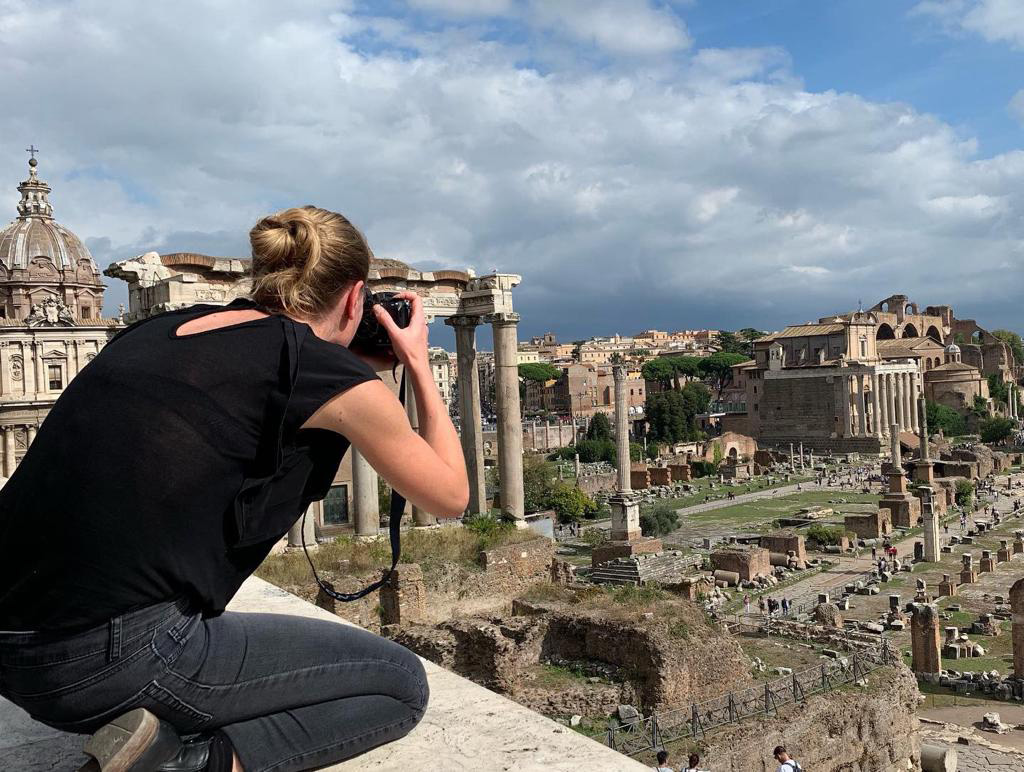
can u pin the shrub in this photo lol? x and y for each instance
(996, 429)
(825, 535)
(570, 503)
(659, 520)
(945, 418)
(600, 428)
(964, 493)
(702, 468)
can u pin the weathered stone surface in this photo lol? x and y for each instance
(870, 730)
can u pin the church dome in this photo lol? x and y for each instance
(952, 348)
(35, 234)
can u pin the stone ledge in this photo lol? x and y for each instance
(466, 727)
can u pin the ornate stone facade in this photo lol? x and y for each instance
(50, 323)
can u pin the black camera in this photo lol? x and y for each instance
(372, 335)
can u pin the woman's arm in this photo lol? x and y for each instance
(427, 468)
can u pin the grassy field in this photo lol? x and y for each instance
(703, 488)
(784, 506)
(429, 548)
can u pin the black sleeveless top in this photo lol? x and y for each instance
(168, 467)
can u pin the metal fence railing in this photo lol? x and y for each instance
(653, 732)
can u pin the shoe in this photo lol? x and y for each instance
(192, 757)
(135, 742)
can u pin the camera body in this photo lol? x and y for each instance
(372, 336)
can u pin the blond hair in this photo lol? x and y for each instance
(303, 258)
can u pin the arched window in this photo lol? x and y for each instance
(910, 331)
(884, 332)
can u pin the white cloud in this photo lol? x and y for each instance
(706, 188)
(1016, 106)
(622, 26)
(994, 20)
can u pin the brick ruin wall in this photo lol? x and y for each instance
(863, 730)
(595, 483)
(511, 568)
(783, 542)
(660, 669)
(747, 562)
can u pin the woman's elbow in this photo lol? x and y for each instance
(457, 500)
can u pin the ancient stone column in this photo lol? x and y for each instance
(932, 544)
(802, 467)
(622, 429)
(901, 402)
(876, 408)
(510, 422)
(883, 399)
(295, 533)
(890, 396)
(1017, 609)
(925, 640)
(421, 517)
(792, 457)
(469, 409)
(8, 451)
(847, 405)
(908, 398)
(987, 564)
(32, 429)
(862, 408)
(365, 501)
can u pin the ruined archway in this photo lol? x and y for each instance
(884, 332)
(910, 331)
(934, 334)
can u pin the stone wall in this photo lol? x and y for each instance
(660, 665)
(783, 542)
(861, 730)
(748, 562)
(871, 525)
(515, 566)
(594, 483)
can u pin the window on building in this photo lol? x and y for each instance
(55, 377)
(863, 346)
(336, 505)
(86, 312)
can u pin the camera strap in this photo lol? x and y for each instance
(395, 511)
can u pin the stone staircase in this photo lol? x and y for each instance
(657, 567)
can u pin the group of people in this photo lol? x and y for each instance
(767, 606)
(786, 762)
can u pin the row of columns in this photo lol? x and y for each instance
(548, 427)
(510, 429)
(9, 446)
(892, 396)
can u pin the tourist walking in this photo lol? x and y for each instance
(663, 762)
(761, 605)
(693, 764)
(185, 450)
(786, 764)
(746, 604)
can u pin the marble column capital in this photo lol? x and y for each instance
(463, 321)
(619, 373)
(502, 320)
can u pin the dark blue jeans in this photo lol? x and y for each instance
(291, 693)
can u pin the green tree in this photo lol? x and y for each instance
(1016, 344)
(718, 368)
(569, 503)
(945, 418)
(538, 483)
(600, 428)
(730, 343)
(996, 429)
(659, 370)
(997, 388)
(980, 406)
(696, 399)
(659, 520)
(748, 335)
(964, 493)
(540, 372)
(592, 451)
(667, 420)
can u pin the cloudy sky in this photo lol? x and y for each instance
(661, 163)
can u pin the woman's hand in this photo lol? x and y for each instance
(409, 343)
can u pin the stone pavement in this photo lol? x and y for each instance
(466, 727)
(979, 754)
